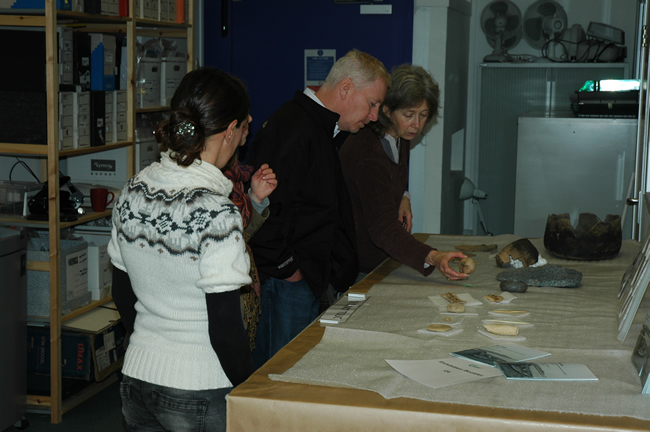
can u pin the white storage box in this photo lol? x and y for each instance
(73, 271)
(100, 269)
(148, 88)
(172, 71)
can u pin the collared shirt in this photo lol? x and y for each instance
(312, 95)
(394, 147)
(392, 151)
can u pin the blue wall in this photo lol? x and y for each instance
(267, 38)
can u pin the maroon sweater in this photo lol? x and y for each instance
(376, 185)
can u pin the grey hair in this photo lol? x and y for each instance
(363, 69)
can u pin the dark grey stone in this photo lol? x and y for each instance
(549, 275)
(514, 286)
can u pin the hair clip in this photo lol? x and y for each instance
(185, 128)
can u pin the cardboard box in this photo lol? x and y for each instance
(120, 120)
(148, 84)
(73, 281)
(139, 8)
(100, 269)
(146, 153)
(109, 117)
(124, 62)
(151, 9)
(163, 11)
(147, 149)
(102, 61)
(66, 120)
(92, 346)
(81, 119)
(172, 71)
(110, 7)
(65, 55)
(77, 5)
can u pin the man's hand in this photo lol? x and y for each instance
(263, 183)
(405, 216)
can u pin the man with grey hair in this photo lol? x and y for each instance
(307, 244)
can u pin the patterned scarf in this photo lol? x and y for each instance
(240, 174)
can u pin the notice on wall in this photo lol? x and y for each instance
(318, 63)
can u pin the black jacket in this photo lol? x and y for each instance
(310, 225)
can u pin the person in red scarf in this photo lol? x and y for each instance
(253, 205)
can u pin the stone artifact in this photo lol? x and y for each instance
(592, 239)
(439, 327)
(476, 248)
(514, 286)
(456, 307)
(522, 250)
(502, 329)
(494, 298)
(550, 275)
(452, 298)
(467, 265)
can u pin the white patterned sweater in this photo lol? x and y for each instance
(178, 236)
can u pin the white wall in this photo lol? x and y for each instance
(440, 45)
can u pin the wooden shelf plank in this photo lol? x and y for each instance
(152, 109)
(91, 18)
(38, 402)
(21, 221)
(27, 149)
(145, 22)
(38, 266)
(22, 20)
(173, 33)
(88, 150)
(35, 319)
(43, 403)
(42, 150)
(82, 310)
(100, 28)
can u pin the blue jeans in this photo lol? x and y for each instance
(150, 407)
(287, 309)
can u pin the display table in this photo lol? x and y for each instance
(571, 324)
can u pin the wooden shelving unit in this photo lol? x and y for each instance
(132, 27)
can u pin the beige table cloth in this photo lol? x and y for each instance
(342, 380)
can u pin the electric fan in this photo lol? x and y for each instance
(544, 24)
(501, 23)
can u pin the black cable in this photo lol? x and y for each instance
(598, 54)
(585, 56)
(545, 52)
(26, 167)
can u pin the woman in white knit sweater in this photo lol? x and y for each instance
(179, 258)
